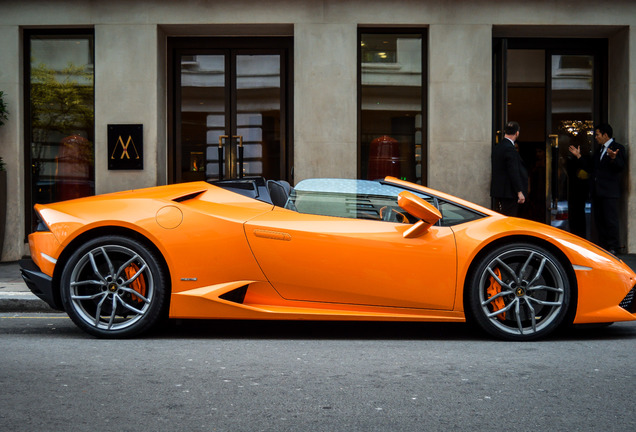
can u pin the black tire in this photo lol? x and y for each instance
(519, 292)
(114, 287)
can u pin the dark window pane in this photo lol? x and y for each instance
(258, 107)
(202, 115)
(572, 125)
(62, 117)
(391, 106)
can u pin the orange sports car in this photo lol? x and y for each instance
(327, 249)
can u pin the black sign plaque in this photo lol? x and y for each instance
(126, 147)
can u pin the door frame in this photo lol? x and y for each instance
(177, 46)
(596, 47)
(30, 217)
(423, 33)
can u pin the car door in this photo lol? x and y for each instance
(317, 258)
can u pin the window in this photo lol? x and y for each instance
(363, 199)
(453, 214)
(59, 132)
(357, 199)
(392, 104)
(230, 115)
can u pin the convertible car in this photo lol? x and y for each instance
(327, 249)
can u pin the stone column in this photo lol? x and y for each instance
(325, 95)
(12, 142)
(126, 92)
(460, 110)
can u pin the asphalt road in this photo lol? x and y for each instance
(303, 376)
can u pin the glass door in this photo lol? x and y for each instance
(554, 89)
(203, 115)
(570, 123)
(255, 147)
(230, 109)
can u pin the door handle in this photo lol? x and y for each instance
(221, 161)
(240, 154)
(222, 137)
(272, 235)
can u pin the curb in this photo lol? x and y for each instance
(16, 297)
(23, 303)
(14, 294)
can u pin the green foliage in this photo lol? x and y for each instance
(61, 101)
(3, 117)
(61, 105)
(3, 110)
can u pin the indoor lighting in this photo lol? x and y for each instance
(575, 127)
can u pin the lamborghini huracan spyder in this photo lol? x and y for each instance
(327, 249)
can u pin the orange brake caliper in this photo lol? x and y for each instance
(493, 289)
(138, 284)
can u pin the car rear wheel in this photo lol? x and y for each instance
(114, 287)
(519, 292)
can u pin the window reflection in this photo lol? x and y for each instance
(213, 114)
(572, 113)
(202, 114)
(61, 117)
(258, 108)
(391, 106)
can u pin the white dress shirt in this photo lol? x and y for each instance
(606, 146)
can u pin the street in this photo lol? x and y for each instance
(306, 376)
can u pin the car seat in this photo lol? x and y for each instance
(278, 192)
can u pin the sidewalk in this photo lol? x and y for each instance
(14, 294)
(16, 297)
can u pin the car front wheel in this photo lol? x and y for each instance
(519, 292)
(114, 287)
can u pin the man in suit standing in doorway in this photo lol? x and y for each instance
(606, 167)
(509, 182)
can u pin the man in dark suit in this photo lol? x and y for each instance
(605, 167)
(509, 182)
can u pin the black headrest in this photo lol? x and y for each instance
(278, 192)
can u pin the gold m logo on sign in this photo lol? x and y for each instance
(124, 147)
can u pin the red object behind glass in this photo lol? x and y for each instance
(384, 158)
(73, 170)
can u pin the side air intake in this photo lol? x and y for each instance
(236, 295)
(188, 197)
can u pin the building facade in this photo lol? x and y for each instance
(109, 96)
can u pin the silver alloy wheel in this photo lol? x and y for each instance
(111, 287)
(522, 291)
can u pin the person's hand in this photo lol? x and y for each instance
(576, 151)
(520, 198)
(612, 154)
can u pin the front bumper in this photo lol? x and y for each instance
(39, 283)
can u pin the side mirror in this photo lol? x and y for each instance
(422, 210)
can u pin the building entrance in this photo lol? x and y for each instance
(230, 108)
(555, 90)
